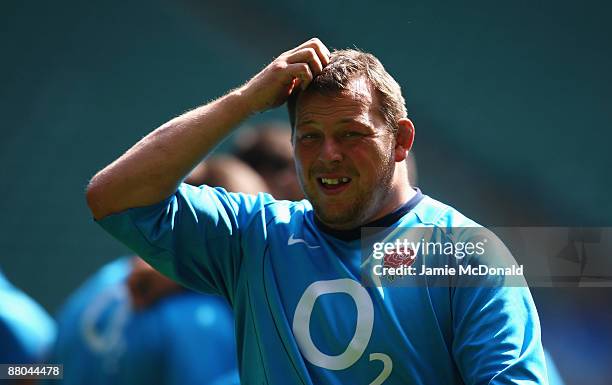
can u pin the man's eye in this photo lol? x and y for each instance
(309, 136)
(352, 134)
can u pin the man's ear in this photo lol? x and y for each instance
(403, 139)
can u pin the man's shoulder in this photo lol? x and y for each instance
(288, 213)
(268, 211)
(271, 207)
(431, 212)
(261, 205)
(112, 273)
(262, 201)
(108, 279)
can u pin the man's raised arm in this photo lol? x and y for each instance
(153, 168)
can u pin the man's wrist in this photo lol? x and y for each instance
(242, 102)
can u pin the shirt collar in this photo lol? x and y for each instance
(386, 221)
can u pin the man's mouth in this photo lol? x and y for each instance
(334, 185)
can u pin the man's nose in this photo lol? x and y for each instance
(331, 151)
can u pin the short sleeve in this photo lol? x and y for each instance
(193, 236)
(497, 337)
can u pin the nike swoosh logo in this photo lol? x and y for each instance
(293, 241)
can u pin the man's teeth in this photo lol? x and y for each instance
(334, 180)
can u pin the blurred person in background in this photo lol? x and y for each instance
(267, 149)
(128, 324)
(27, 332)
(228, 172)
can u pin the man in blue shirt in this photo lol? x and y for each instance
(26, 329)
(291, 270)
(183, 338)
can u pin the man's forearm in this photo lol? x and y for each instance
(152, 169)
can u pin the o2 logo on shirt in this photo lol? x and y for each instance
(107, 340)
(363, 331)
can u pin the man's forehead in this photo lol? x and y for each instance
(360, 88)
(351, 104)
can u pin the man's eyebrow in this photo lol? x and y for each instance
(349, 120)
(359, 121)
(307, 122)
(346, 120)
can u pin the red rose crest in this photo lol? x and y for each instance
(397, 259)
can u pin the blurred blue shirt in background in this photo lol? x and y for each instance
(26, 330)
(185, 338)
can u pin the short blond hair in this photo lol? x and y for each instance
(348, 64)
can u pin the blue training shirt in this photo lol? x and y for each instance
(185, 338)
(303, 316)
(26, 329)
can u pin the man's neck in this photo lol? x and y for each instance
(399, 195)
(385, 220)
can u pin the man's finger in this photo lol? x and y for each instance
(302, 72)
(307, 55)
(320, 48)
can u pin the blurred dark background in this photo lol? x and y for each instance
(512, 103)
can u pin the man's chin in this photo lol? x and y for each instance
(337, 212)
(339, 220)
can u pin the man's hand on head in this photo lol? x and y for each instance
(294, 68)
